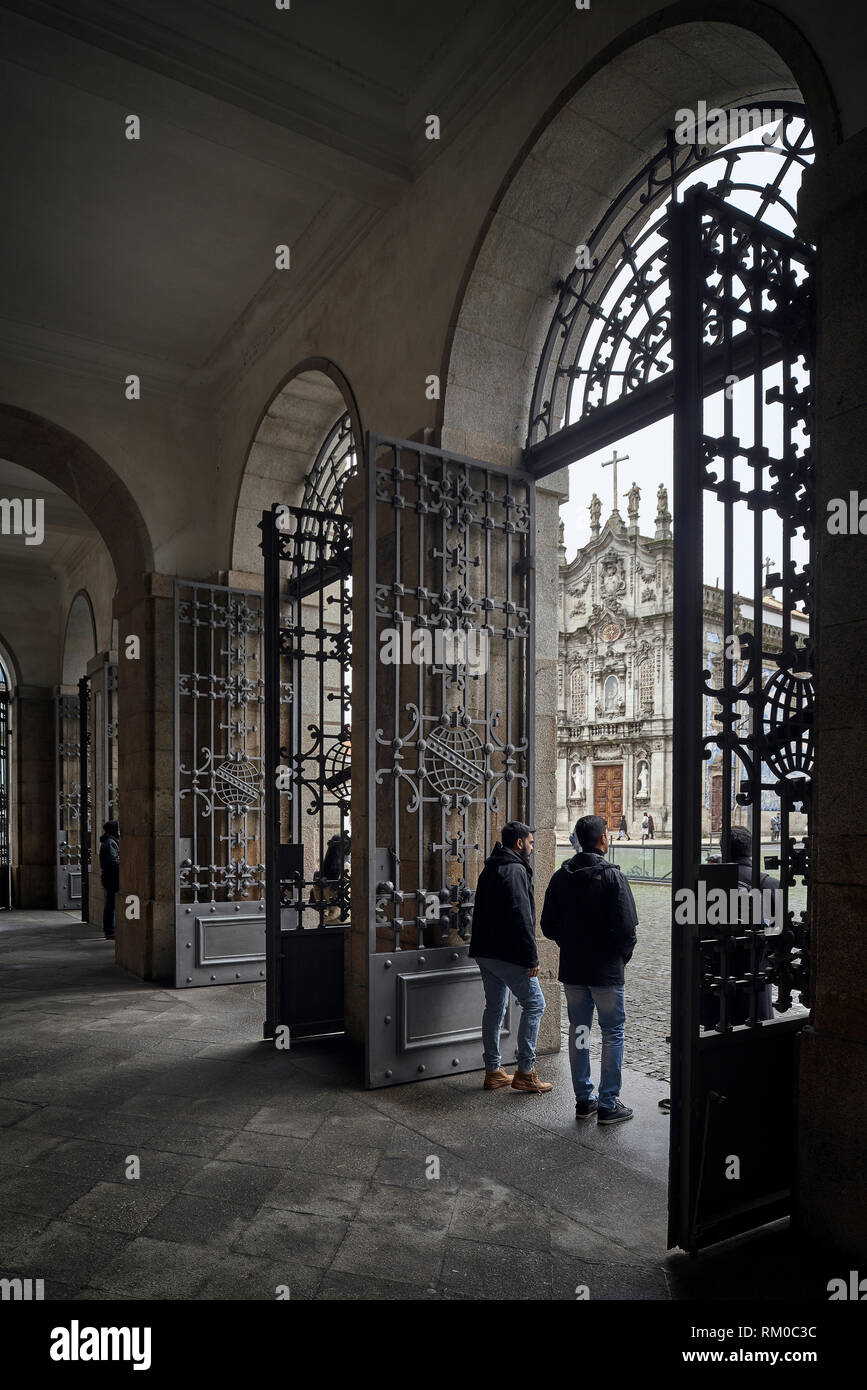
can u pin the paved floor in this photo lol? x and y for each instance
(259, 1169)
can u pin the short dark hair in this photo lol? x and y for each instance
(589, 831)
(740, 843)
(513, 831)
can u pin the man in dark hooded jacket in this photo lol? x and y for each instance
(503, 946)
(109, 873)
(590, 912)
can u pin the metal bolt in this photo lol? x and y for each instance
(455, 1061)
(189, 909)
(189, 945)
(213, 977)
(388, 1073)
(388, 965)
(421, 960)
(455, 955)
(189, 979)
(421, 1067)
(388, 1018)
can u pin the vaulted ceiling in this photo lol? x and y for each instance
(259, 127)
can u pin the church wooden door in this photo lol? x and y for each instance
(608, 794)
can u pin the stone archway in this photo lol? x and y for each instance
(69, 463)
(285, 442)
(79, 642)
(597, 135)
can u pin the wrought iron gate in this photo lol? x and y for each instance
(5, 794)
(742, 313)
(219, 702)
(308, 652)
(67, 734)
(450, 726)
(98, 772)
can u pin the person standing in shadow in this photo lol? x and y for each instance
(109, 873)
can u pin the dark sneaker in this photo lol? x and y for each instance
(586, 1109)
(613, 1116)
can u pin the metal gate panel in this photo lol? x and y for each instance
(219, 797)
(5, 794)
(67, 801)
(98, 773)
(449, 544)
(308, 596)
(744, 475)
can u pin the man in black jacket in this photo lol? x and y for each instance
(109, 873)
(590, 912)
(503, 946)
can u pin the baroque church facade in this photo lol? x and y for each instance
(615, 677)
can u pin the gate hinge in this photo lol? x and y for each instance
(526, 565)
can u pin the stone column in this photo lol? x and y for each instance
(832, 1117)
(34, 798)
(145, 945)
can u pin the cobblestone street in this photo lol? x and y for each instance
(648, 984)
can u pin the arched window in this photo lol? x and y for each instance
(611, 694)
(645, 684)
(334, 464)
(610, 334)
(577, 694)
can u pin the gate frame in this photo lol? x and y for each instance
(449, 957)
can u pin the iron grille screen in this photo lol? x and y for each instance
(218, 743)
(451, 651)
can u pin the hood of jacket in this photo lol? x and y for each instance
(111, 831)
(500, 855)
(584, 864)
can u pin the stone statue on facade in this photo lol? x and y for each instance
(595, 510)
(663, 515)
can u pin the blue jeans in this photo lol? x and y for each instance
(609, 1002)
(498, 977)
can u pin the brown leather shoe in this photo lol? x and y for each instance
(528, 1081)
(495, 1079)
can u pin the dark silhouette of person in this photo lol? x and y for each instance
(740, 850)
(109, 873)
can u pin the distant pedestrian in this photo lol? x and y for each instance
(109, 873)
(503, 946)
(740, 958)
(624, 829)
(645, 825)
(650, 827)
(590, 912)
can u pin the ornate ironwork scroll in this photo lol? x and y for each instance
(219, 797)
(744, 483)
(68, 798)
(611, 335)
(758, 484)
(334, 464)
(450, 734)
